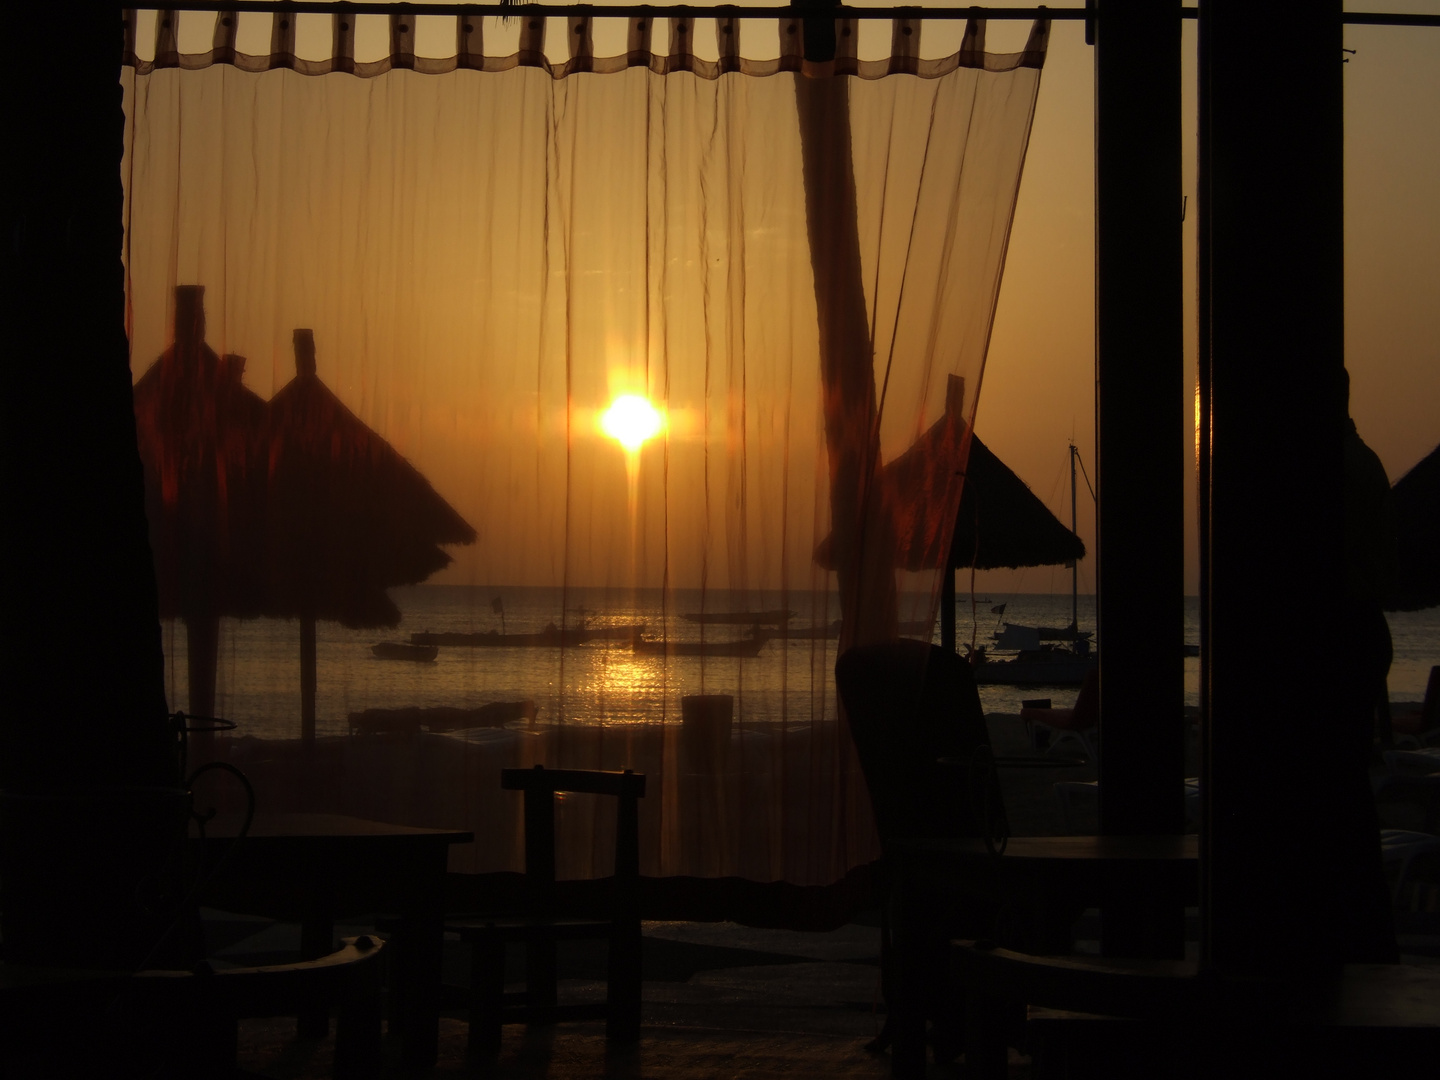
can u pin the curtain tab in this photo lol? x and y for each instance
(847, 44)
(1037, 45)
(167, 31)
(972, 48)
(469, 42)
(682, 44)
(581, 44)
(905, 47)
(532, 42)
(792, 44)
(402, 40)
(127, 28)
(282, 39)
(727, 38)
(342, 37)
(637, 42)
(222, 42)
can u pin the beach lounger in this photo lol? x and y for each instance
(1079, 725)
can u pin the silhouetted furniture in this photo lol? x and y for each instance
(706, 721)
(314, 868)
(183, 1023)
(1080, 799)
(1420, 728)
(1410, 802)
(1039, 884)
(909, 705)
(1364, 1019)
(1072, 725)
(540, 926)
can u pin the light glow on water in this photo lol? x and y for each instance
(604, 682)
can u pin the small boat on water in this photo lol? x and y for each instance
(798, 633)
(1048, 666)
(745, 647)
(399, 650)
(550, 637)
(623, 632)
(773, 617)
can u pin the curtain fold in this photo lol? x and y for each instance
(563, 370)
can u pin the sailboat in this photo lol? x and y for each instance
(1044, 655)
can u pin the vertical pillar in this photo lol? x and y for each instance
(83, 673)
(1140, 396)
(85, 745)
(1272, 246)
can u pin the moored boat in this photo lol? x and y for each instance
(552, 636)
(773, 617)
(1034, 667)
(745, 647)
(798, 633)
(399, 650)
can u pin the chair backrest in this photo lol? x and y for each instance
(1430, 711)
(540, 785)
(1087, 702)
(910, 704)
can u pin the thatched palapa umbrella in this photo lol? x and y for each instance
(1000, 521)
(347, 517)
(199, 432)
(1415, 504)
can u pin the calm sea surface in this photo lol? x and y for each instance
(788, 682)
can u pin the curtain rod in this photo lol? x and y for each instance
(634, 11)
(664, 11)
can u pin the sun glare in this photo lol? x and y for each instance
(631, 420)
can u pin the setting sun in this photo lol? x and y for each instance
(630, 420)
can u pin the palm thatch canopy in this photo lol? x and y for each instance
(347, 516)
(1415, 503)
(199, 428)
(1000, 521)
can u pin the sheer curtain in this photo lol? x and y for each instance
(563, 368)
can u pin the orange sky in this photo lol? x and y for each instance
(1038, 387)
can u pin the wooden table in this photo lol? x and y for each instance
(1041, 884)
(313, 868)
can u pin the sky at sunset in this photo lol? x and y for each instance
(1039, 382)
(1038, 386)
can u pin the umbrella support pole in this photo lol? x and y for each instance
(947, 609)
(202, 658)
(307, 681)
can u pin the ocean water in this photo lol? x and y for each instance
(788, 683)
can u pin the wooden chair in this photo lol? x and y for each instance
(540, 926)
(919, 729)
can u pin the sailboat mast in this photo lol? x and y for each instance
(1074, 563)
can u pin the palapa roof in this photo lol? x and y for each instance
(999, 522)
(347, 515)
(198, 429)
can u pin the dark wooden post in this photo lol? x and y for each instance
(1140, 393)
(83, 674)
(1280, 875)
